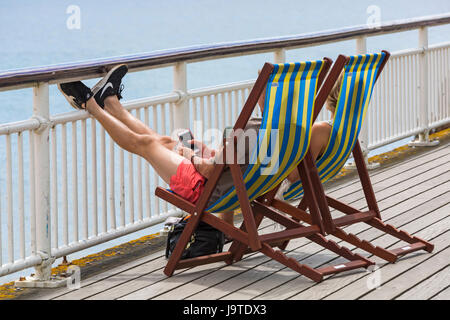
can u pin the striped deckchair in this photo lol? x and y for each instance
(360, 75)
(282, 143)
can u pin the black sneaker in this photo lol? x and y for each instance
(110, 85)
(76, 93)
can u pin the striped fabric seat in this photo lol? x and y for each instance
(351, 108)
(285, 131)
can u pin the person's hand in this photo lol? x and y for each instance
(205, 152)
(185, 152)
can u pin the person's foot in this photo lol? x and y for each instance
(285, 185)
(110, 85)
(76, 93)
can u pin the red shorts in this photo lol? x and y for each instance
(187, 182)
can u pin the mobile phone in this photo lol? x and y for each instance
(186, 136)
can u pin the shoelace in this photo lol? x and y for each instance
(119, 92)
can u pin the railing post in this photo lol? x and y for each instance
(181, 108)
(42, 179)
(424, 139)
(279, 56)
(41, 112)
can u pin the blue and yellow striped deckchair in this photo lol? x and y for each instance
(358, 81)
(281, 145)
(356, 89)
(284, 133)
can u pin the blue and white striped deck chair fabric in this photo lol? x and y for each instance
(285, 131)
(351, 108)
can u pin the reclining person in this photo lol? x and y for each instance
(185, 172)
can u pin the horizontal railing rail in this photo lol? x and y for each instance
(68, 186)
(95, 68)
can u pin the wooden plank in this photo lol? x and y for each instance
(409, 248)
(429, 287)
(186, 289)
(177, 290)
(392, 171)
(52, 294)
(398, 183)
(402, 191)
(389, 197)
(414, 214)
(392, 197)
(119, 272)
(327, 270)
(262, 270)
(151, 280)
(109, 289)
(103, 282)
(383, 172)
(355, 191)
(197, 261)
(176, 281)
(351, 286)
(226, 273)
(411, 277)
(416, 224)
(334, 283)
(419, 209)
(143, 280)
(284, 292)
(443, 295)
(403, 211)
(151, 271)
(138, 288)
(289, 234)
(359, 287)
(354, 218)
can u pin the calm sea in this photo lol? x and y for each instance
(35, 33)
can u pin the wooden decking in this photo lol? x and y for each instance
(413, 195)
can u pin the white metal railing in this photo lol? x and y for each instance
(68, 187)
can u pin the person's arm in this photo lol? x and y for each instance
(205, 152)
(204, 166)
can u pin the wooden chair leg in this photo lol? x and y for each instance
(342, 251)
(181, 244)
(237, 248)
(249, 219)
(365, 179)
(309, 195)
(302, 206)
(392, 255)
(291, 263)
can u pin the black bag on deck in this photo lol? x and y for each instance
(205, 240)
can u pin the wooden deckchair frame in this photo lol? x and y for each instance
(253, 212)
(353, 215)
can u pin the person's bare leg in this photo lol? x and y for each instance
(319, 139)
(164, 161)
(115, 108)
